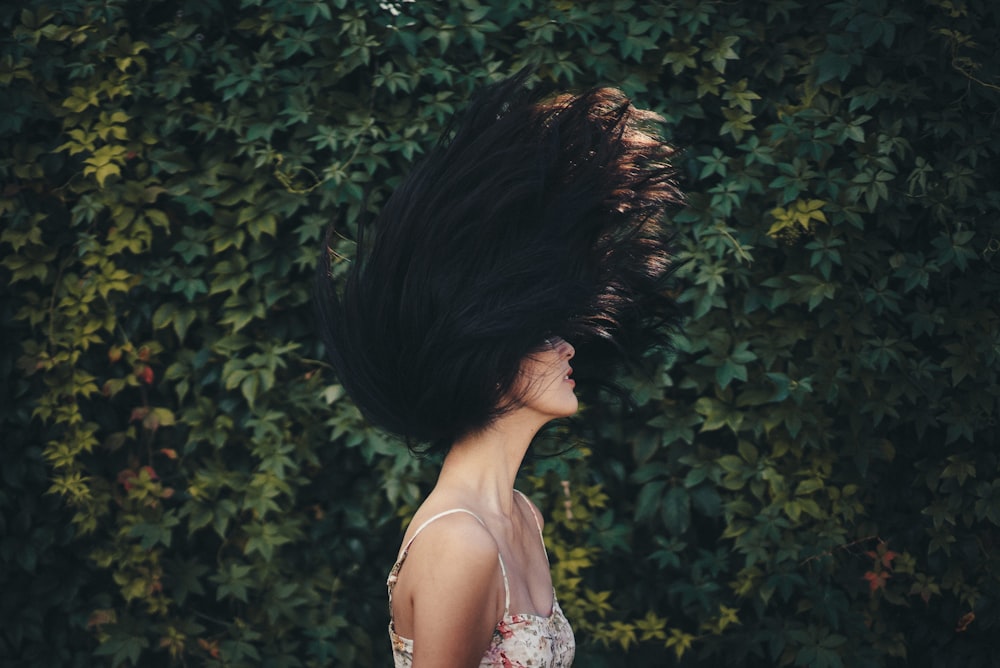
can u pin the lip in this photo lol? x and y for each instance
(567, 378)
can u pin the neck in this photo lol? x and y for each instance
(484, 465)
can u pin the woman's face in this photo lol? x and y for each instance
(546, 382)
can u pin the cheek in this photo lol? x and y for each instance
(537, 371)
(542, 378)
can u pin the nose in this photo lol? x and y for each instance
(562, 346)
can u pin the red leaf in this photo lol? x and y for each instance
(876, 580)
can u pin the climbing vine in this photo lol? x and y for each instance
(808, 478)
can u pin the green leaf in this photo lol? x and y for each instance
(233, 583)
(707, 501)
(648, 501)
(677, 511)
(122, 648)
(155, 533)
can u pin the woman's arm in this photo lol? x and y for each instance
(455, 593)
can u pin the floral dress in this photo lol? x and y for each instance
(519, 641)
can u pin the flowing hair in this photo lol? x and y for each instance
(535, 215)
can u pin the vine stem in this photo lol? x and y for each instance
(845, 546)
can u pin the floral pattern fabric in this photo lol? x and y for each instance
(519, 641)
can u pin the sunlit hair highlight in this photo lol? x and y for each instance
(534, 215)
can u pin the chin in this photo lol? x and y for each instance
(570, 410)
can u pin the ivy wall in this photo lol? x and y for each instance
(811, 479)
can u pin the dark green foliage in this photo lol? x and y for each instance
(811, 479)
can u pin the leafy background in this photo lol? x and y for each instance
(809, 480)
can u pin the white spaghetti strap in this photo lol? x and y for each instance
(538, 525)
(436, 517)
(394, 574)
(506, 587)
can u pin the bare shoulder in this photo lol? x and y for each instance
(454, 555)
(448, 548)
(456, 532)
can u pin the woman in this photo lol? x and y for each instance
(536, 222)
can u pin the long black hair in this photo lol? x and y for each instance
(536, 214)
